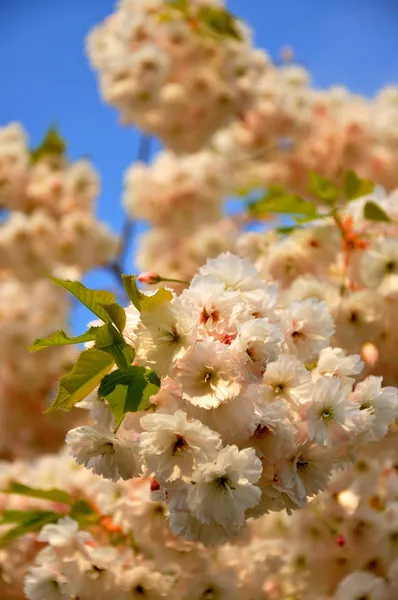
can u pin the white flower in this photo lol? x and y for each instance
(132, 321)
(163, 336)
(304, 474)
(142, 582)
(42, 583)
(274, 435)
(335, 362)
(233, 420)
(308, 328)
(380, 262)
(217, 309)
(260, 342)
(237, 274)
(380, 405)
(331, 414)
(207, 374)
(288, 380)
(224, 490)
(64, 534)
(171, 444)
(103, 452)
(361, 585)
(192, 529)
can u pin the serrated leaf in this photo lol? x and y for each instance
(28, 522)
(92, 299)
(60, 338)
(82, 512)
(276, 200)
(143, 302)
(219, 21)
(52, 144)
(121, 352)
(323, 188)
(354, 187)
(129, 390)
(117, 315)
(105, 336)
(53, 494)
(374, 212)
(92, 365)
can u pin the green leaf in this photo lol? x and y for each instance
(117, 315)
(181, 5)
(143, 302)
(374, 212)
(355, 187)
(93, 299)
(121, 352)
(82, 512)
(52, 145)
(323, 188)
(60, 338)
(106, 335)
(219, 21)
(28, 522)
(128, 390)
(53, 494)
(276, 200)
(287, 230)
(109, 340)
(92, 365)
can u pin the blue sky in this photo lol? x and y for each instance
(46, 76)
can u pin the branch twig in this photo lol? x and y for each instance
(116, 267)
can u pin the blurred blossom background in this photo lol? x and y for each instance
(47, 78)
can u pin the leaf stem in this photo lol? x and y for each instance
(166, 279)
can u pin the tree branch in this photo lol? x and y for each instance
(117, 266)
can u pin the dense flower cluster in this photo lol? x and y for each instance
(254, 409)
(51, 222)
(183, 200)
(129, 553)
(293, 129)
(168, 72)
(48, 227)
(28, 311)
(352, 265)
(269, 365)
(245, 121)
(343, 546)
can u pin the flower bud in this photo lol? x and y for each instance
(340, 540)
(149, 277)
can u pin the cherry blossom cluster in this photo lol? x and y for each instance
(49, 227)
(166, 75)
(343, 546)
(293, 129)
(45, 472)
(352, 265)
(129, 553)
(254, 411)
(179, 255)
(182, 198)
(170, 74)
(51, 222)
(26, 380)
